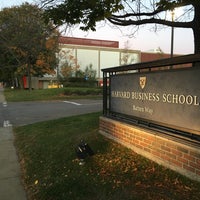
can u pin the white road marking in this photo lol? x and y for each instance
(71, 102)
(6, 123)
(5, 104)
(91, 104)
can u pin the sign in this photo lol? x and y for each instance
(169, 98)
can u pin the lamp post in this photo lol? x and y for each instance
(172, 34)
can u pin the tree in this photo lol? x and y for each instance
(90, 73)
(7, 65)
(125, 13)
(66, 70)
(68, 62)
(27, 42)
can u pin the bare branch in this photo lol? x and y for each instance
(121, 22)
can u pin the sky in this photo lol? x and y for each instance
(144, 40)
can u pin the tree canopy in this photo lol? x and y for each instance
(124, 13)
(27, 44)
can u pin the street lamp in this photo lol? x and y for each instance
(172, 34)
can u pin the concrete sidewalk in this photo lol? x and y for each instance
(10, 184)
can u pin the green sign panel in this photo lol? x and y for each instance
(169, 98)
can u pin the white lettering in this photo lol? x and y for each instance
(137, 108)
(189, 100)
(155, 97)
(175, 98)
(145, 96)
(196, 102)
(148, 110)
(121, 94)
(180, 99)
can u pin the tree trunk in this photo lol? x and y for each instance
(29, 77)
(196, 28)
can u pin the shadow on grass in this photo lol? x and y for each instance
(51, 170)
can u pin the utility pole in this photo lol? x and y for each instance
(172, 35)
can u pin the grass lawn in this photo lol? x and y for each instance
(51, 170)
(52, 94)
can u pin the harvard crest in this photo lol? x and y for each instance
(143, 81)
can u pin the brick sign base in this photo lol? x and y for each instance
(182, 158)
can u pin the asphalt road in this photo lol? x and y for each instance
(22, 113)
